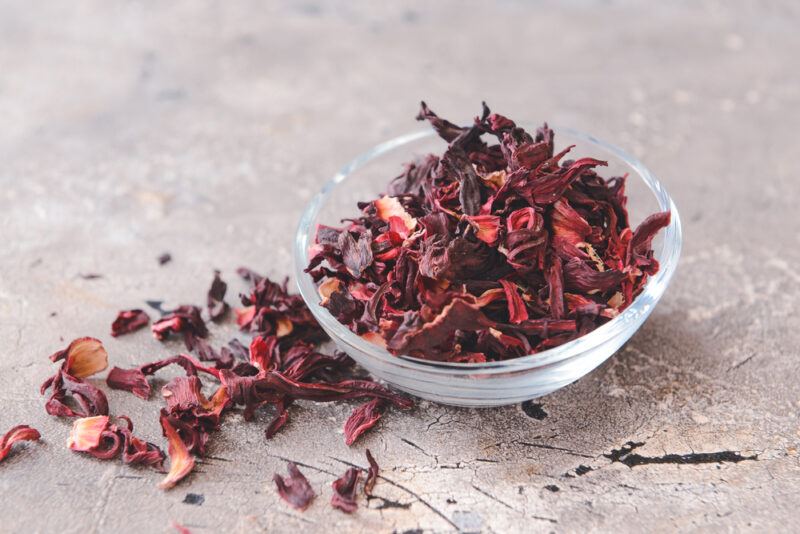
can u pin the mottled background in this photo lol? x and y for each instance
(202, 128)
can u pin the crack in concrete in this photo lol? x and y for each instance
(624, 455)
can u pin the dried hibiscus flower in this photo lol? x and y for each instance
(15, 435)
(489, 251)
(344, 491)
(295, 488)
(128, 321)
(83, 357)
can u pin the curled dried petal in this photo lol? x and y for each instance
(128, 321)
(372, 474)
(132, 380)
(83, 357)
(217, 307)
(295, 488)
(517, 311)
(362, 419)
(87, 432)
(388, 207)
(181, 462)
(15, 435)
(344, 491)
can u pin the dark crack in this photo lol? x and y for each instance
(553, 448)
(624, 455)
(389, 503)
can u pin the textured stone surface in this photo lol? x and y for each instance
(202, 128)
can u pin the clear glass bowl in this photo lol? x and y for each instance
(493, 383)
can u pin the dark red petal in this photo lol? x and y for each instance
(128, 321)
(362, 419)
(344, 491)
(217, 307)
(295, 488)
(132, 380)
(517, 311)
(15, 435)
(372, 474)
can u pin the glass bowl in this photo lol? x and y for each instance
(492, 383)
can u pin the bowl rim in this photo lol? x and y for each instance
(642, 304)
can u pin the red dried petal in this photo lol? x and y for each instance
(372, 474)
(295, 488)
(568, 224)
(344, 491)
(486, 227)
(362, 419)
(262, 349)
(87, 432)
(517, 311)
(83, 357)
(185, 318)
(132, 380)
(388, 207)
(128, 321)
(217, 307)
(15, 435)
(181, 462)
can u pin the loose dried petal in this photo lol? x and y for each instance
(83, 357)
(87, 432)
(344, 491)
(372, 474)
(128, 321)
(183, 319)
(181, 462)
(15, 435)
(217, 307)
(295, 488)
(362, 419)
(132, 380)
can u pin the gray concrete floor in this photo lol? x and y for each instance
(202, 128)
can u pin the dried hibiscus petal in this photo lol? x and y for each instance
(217, 307)
(362, 419)
(185, 318)
(344, 491)
(70, 395)
(15, 435)
(99, 438)
(181, 462)
(372, 474)
(295, 488)
(135, 380)
(87, 432)
(83, 357)
(128, 321)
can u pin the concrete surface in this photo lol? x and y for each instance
(201, 128)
